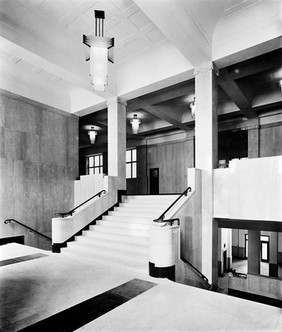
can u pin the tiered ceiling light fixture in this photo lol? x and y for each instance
(92, 131)
(99, 51)
(92, 135)
(135, 122)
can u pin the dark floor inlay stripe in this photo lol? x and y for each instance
(21, 259)
(85, 312)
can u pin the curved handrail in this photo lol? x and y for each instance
(65, 214)
(167, 221)
(8, 221)
(161, 217)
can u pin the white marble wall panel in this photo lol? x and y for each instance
(250, 188)
(87, 186)
(38, 163)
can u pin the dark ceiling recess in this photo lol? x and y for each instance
(232, 144)
(167, 109)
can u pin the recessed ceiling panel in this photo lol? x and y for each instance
(82, 25)
(122, 30)
(55, 9)
(122, 4)
(156, 36)
(139, 19)
(138, 45)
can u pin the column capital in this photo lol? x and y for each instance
(209, 65)
(117, 100)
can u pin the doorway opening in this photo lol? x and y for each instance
(154, 181)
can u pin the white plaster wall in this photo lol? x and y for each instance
(249, 189)
(256, 24)
(154, 69)
(64, 228)
(88, 186)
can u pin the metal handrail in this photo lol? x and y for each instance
(167, 221)
(65, 214)
(8, 221)
(161, 217)
(194, 268)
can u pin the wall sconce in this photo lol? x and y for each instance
(99, 51)
(92, 135)
(135, 122)
(193, 108)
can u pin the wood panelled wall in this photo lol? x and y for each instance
(270, 140)
(38, 163)
(172, 159)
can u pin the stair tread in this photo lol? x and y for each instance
(122, 236)
(131, 238)
(98, 242)
(114, 252)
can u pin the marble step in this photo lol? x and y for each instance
(127, 225)
(136, 210)
(129, 219)
(121, 231)
(95, 233)
(152, 198)
(105, 254)
(138, 214)
(136, 266)
(131, 248)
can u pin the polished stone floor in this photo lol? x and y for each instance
(241, 266)
(35, 289)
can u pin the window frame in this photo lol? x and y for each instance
(96, 166)
(132, 163)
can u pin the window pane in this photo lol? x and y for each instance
(91, 171)
(128, 156)
(91, 159)
(264, 251)
(101, 159)
(134, 171)
(264, 238)
(128, 171)
(134, 155)
(96, 162)
(101, 169)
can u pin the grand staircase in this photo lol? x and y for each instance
(122, 237)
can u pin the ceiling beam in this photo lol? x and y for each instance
(177, 23)
(234, 92)
(162, 114)
(185, 89)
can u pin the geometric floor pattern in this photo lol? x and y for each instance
(37, 291)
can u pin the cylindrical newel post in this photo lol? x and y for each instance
(164, 251)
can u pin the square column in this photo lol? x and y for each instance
(273, 254)
(117, 140)
(205, 159)
(253, 139)
(254, 252)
